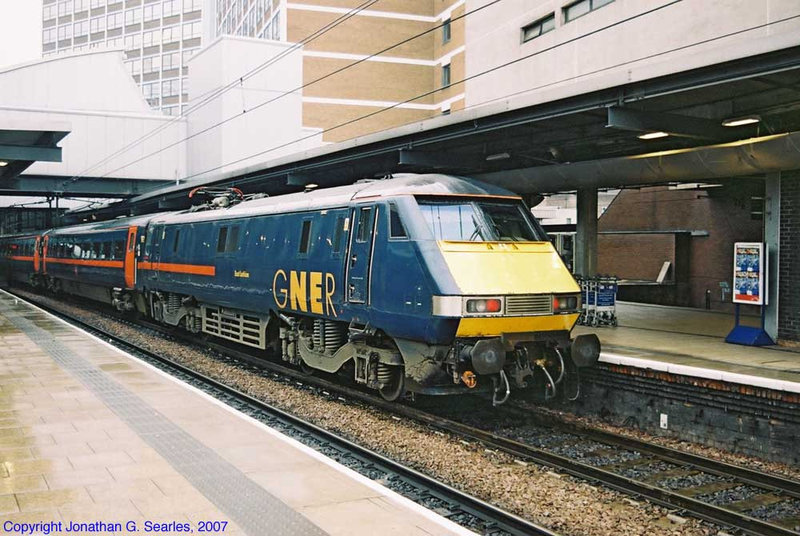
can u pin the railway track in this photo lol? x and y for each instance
(734, 497)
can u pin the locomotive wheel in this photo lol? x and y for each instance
(306, 369)
(395, 387)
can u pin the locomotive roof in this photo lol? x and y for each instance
(428, 184)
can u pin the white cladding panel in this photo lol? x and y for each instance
(582, 55)
(103, 113)
(250, 131)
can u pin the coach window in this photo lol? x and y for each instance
(119, 250)
(96, 247)
(305, 237)
(106, 254)
(175, 242)
(396, 227)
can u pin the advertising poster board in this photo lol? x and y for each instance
(748, 273)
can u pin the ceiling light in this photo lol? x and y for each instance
(497, 156)
(739, 121)
(653, 135)
(3, 163)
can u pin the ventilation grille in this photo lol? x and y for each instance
(531, 304)
(235, 326)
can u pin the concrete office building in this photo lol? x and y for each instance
(158, 37)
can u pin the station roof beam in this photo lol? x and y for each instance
(649, 122)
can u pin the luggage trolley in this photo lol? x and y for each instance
(606, 301)
(588, 301)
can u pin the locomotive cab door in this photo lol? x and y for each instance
(359, 254)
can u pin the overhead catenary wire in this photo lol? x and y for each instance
(304, 86)
(214, 93)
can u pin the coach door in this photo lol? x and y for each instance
(37, 248)
(359, 258)
(130, 258)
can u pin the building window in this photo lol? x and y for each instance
(65, 32)
(134, 67)
(152, 12)
(191, 30)
(98, 3)
(445, 75)
(187, 54)
(65, 8)
(541, 26)
(192, 5)
(446, 31)
(114, 21)
(151, 64)
(81, 5)
(171, 34)
(170, 88)
(132, 16)
(133, 42)
(49, 35)
(151, 38)
(49, 12)
(81, 28)
(582, 7)
(185, 85)
(170, 61)
(97, 24)
(171, 7)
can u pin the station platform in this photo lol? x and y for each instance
(691, 342)
(89, 435)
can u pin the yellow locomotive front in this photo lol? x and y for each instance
(516, 302)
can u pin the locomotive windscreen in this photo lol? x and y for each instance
(480, 221)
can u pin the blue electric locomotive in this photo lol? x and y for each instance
(427, 283)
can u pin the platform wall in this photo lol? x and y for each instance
(789, 265)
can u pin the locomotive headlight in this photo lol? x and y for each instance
(483, 306)
(565, 303)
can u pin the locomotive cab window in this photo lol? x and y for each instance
(305, 237)
(480, 221)
(396, 227)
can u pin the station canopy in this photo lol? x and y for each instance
(735, 119)
(20, 148)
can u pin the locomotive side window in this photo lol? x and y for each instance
(228, 239)
(305, 237)
(233, 239)
(396, 227)
(222, 239)
(338, 232)
(362, 231)
(175, 242)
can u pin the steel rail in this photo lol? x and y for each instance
(494, 521)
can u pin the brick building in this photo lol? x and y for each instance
(692, 229)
